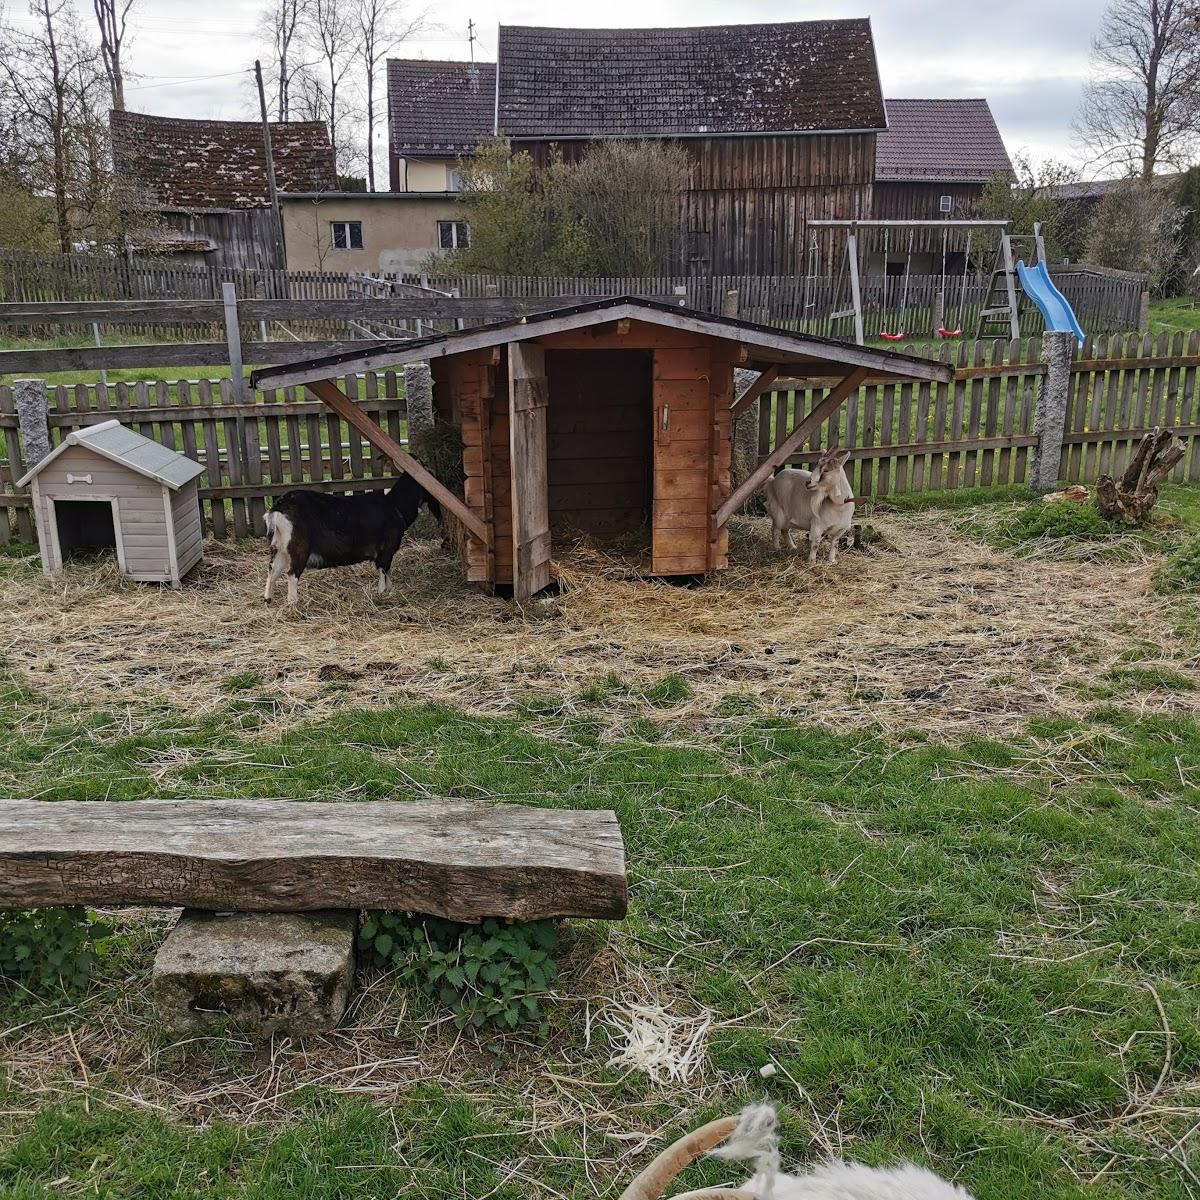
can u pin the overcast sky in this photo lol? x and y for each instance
(1029, 58)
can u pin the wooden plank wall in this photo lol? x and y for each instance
(251, 452)
(978, 431)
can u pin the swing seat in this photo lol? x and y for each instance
(892, 337)
(949, 333)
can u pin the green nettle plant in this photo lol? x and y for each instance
(488, 975)
(49, 948)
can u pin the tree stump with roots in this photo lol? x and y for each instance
(1133, 495)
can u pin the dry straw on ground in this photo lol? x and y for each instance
(940, 633)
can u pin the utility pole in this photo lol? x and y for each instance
(471, 38)
(271, 188)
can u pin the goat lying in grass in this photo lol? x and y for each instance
(752, 1137)
(820, 501)
(311, 529)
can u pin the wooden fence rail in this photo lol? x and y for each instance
(251, 451)
(1104, 301)
(979, 430)
(976, 431)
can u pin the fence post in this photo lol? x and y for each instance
(418, 397)
(233, 338)
(34, 420)
(1050, 421)
(1144, 312)
(729, 305)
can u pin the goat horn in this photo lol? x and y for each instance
(652, 1182)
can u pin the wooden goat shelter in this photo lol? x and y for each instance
(604, 417)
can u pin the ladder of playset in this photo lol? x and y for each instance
(1000, 314)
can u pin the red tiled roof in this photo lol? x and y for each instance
(439, 109)
(798, 77)
(942, 140)
(169, 162)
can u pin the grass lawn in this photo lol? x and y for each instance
(1175, 316)
(979, 953)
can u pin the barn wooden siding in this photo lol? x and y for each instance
(922, 201)
(247, 239)
(750, 198)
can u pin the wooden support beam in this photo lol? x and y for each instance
(753, 392)
(354, 416)
(458, 859)
(830, 404)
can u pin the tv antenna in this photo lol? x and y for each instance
(471, 38)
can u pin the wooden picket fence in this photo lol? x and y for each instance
(911, 437)
(979, 430)
(251, 451)
(1104, 301)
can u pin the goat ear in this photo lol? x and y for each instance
(843, 457)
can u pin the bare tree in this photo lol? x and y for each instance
(282, 24)
(382, 26)
(111, 16)
(332, 34)
(1141, 110)
(41, 71)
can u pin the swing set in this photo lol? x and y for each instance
(922, 239)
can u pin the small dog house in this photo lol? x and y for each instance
(107, 487)
(603, 416)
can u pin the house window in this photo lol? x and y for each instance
(453, 180)
(345, 235)
(946, 204)
(453, 235)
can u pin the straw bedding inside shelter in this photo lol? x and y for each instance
(936, 632)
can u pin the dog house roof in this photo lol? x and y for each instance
(111, 440)
(767, 346)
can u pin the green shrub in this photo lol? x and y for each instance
(1061, 519)
(1181, 571)
(487, 975)
(48, 948)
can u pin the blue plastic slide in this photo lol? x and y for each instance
(1051, 303)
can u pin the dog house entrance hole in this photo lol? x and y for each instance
(84, 527)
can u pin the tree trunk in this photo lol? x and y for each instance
(1133, 496)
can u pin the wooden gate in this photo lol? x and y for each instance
(529, 393)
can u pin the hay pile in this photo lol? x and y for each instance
(942, 633)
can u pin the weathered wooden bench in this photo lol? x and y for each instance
(268, 863)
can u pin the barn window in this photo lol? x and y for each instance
(946, 204)
(453, 235)
(345, 235)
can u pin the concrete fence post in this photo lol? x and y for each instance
(1144, 312)
(1058, 349)
(33, 419)
(729, 304)
(233, 337)
(418, 397)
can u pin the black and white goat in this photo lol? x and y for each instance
(312, 529)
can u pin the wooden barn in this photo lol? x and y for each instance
(606, 417)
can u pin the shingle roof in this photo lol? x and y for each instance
(439, 108)
(802, 76)
(175, 163)
(111, 440)
(945, 140)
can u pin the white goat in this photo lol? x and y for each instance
(820, 501)
(753, 1138)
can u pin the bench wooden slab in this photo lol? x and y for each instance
(456, 859)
